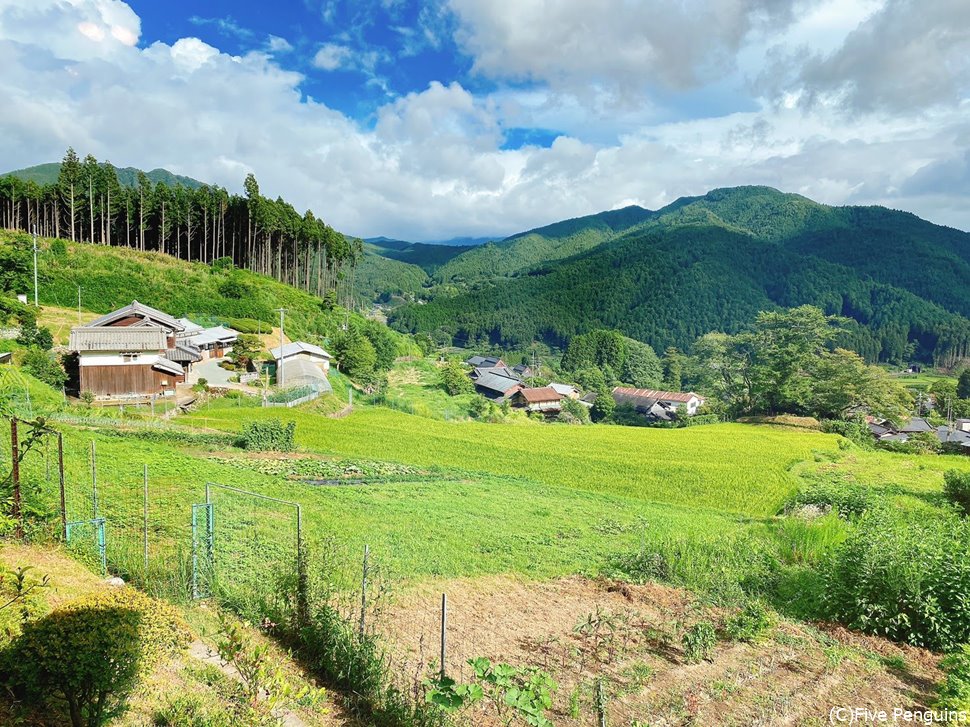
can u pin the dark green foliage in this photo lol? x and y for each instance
(356, 354)
(956, 485)
(32, 336)
(454, 378)
(270, 435)
(235, 285)
(855, 431)
(87, 655)
(963, 384)
(905, 579)
(710, 264)
(699, 641)
(43, 366)
(604, 406)
(573, 411)
(245, 350)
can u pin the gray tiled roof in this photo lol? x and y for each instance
(141, 311)
(118, 338)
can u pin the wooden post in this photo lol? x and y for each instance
(600, 703)
(15, 509)
(363, 593)
(60, 470)
(145, 489)
(94, 478)
(444, 632)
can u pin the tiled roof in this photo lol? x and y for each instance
(138, 310)
(214, 335)
(496, 382)
(485, 362)
(169, 367)
(118, 338)
(916, 424)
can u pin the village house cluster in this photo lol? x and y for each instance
(138, 352)
(499, 382)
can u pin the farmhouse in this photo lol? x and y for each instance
(125, 361)
(646, 401)
(567, 391)
(546, 400)
(214, 342)
(131, 352)
(477, 373)
(497, 386)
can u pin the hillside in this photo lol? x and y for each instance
(711, 263)
(127, 176)
(110, 277)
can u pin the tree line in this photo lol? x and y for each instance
(87, 203)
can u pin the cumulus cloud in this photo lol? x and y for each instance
(615, 43)
(331, 56)
(909, 55)
(431, 165)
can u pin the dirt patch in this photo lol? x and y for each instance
(405, 375)
(582, 631)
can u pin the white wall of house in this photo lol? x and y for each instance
(692, 405)
(321, 361)
(115, 358)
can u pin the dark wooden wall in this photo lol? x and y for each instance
(128, 379)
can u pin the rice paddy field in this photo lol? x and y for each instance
(734, 468)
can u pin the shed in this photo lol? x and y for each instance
(544, 399)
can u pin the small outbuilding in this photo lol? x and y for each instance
(545, 400)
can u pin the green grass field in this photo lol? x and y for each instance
(729, 467)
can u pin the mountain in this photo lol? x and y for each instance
(426, 255)
(711, 263)
(127, 176)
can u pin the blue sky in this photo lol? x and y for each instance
(427, 119)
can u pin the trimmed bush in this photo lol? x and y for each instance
(956, 485)
(88, 654)
(269, 436)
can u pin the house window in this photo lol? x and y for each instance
(127, 357)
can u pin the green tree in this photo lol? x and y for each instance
(841, 381)
(43, 366)
(963, 384)
(68, 183)
(673, 369)
(356, 355)
(454, 378)
(245, 350)
(604, 406)
(641, 367)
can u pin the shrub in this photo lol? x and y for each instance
(574, 409)
(42, 366)
(905, 580)
(850, 500)
(454, 379)
(856, 432)
(752, 623)
(269, 436)
(954, 692)
(89, 654)
(699, 642)
(956, 485)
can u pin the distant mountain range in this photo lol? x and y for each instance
(127, 176)
(710, 263)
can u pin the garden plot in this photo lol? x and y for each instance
(630, 637)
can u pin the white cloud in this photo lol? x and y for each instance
(276, 44)
(331, 56)
(432, 165)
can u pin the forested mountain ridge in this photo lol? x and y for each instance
(127, 176)
(711, 263)
(522, 252)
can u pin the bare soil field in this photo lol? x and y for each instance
(630, 637)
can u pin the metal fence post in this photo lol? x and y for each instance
(363, 593)
(145, 528)
(94, 478)
(15, 509)
(444, 632)
(60, 470)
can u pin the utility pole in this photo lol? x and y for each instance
(279, 366)
(35, 267)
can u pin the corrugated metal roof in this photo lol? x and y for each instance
(216, 334)
(138, 310)
(297, 347)
(495, 382)
(539, 395)
(564, 389)
(118, 338)
(656, 395)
